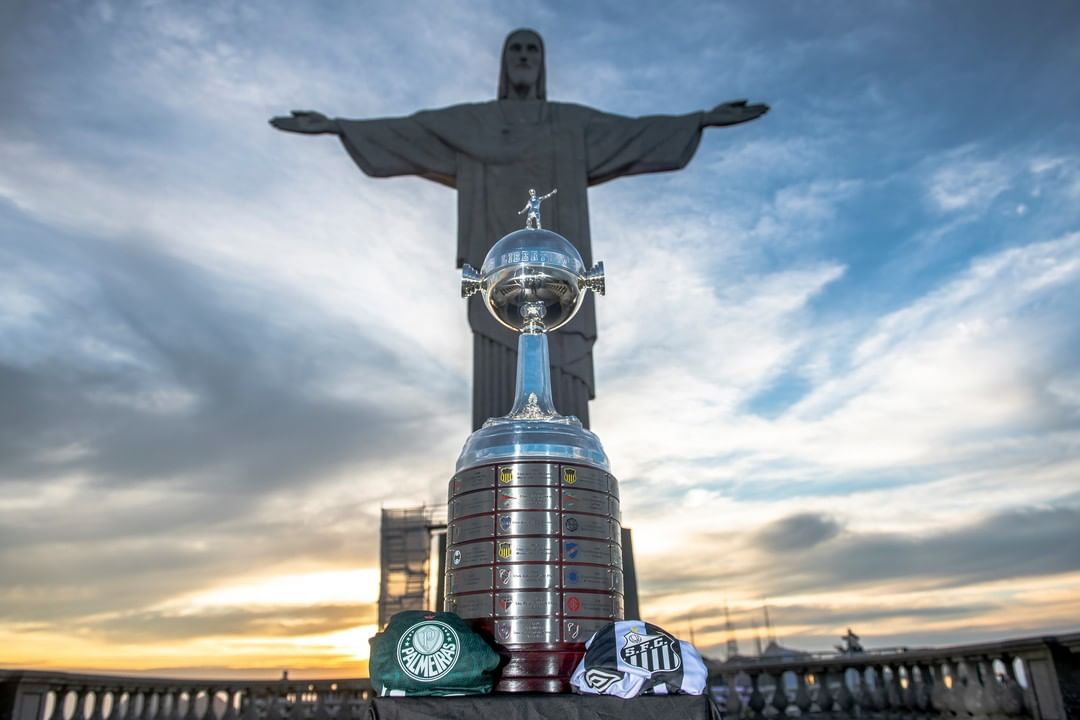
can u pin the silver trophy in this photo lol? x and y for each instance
(534, 530)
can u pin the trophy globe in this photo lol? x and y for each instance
(533, 281)
(534, 532)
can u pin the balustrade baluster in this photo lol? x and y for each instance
(991, 687)
(80, 704)
(864, 698)
(779, 696)
(95, 707)
(973, 698)
(248, 704)
(934, 678)
(757, 700)
(920, 690)
(320, 712)
(189, 710)
(941, 691)
(174, 704)
(892, 690)
(905, 688)
(845, 699)
(113, 696)
(995, 688)
(732, 702)
(1012, 696)
(159, 705)
(877, 690)
(208, 713)
(118, 706)
(136, 705)
(61, 693)
(127, 700)
(912, 697)
(229, 711)
(802, 693)
(959, 688)
(824, 697)
(923, 688)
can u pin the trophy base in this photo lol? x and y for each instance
(535, 667)
(539, 670)
(532, 685)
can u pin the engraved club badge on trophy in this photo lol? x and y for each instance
(534, 556)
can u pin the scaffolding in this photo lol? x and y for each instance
(406, 558)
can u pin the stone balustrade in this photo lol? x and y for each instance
(37, 695)
(1027, 679)
(1034, 678)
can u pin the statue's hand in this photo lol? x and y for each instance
(734, 112)
(305, 121)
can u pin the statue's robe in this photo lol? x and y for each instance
(493, 153)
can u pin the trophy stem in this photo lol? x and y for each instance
(532, 393)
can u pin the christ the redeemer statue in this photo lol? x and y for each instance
(492, 153)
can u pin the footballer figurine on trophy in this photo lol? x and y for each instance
(533, 554)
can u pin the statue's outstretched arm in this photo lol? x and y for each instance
(522, 210)
(308, 122)
(733, 113)
(550, 194)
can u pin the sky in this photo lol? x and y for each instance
(838, 369)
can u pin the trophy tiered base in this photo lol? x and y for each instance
(534, 559)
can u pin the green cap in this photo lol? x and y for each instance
(431, 653)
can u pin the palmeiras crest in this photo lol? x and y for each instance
(428, 650)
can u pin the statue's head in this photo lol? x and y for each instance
(522, 75)
(532, 192)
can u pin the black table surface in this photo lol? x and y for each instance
(545, 707)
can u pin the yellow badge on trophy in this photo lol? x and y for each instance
(506, 475)
(569, 476)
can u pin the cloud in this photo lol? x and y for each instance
(797, 532)
(156, 369)
(182, 431)
(808, 554)
(818, 615)
(1014, 544)
(158, 627)
(966, 184)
